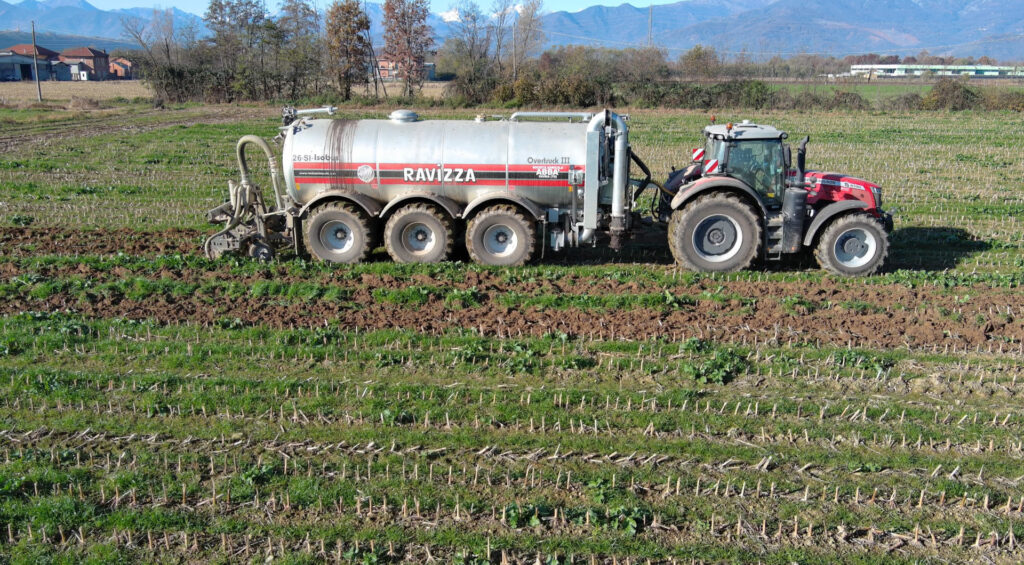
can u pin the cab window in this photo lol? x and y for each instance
(760, 164)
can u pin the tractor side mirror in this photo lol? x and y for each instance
(787, 156)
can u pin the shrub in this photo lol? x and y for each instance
(903, 102)
(954, 95)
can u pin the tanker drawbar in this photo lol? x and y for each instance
(507, 189)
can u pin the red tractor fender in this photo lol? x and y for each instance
(716, 183)
(829, 212)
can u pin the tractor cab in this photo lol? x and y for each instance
(750, 153)
(742, 197)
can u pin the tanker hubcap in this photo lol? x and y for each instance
(855, 247)
(337, 236)
(717, 238)
(500, 240)
(418, 238)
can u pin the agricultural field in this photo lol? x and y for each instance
(592, 408)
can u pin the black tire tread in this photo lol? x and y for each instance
(506, 210)
(681, 218)
(364, 226)
(824, 257)
(421, 207)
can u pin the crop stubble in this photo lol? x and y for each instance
(156, 403)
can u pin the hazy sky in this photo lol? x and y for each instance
(199, 6)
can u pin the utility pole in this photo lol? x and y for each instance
(35, 63)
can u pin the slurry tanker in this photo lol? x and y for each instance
(510, 188)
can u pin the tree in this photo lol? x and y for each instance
(348, 49)
(466, 54)
(407, 37)
(700, 62)
(299, 26)
(501, 16)
(528, 33)
(239, 32)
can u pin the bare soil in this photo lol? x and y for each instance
(733, 311)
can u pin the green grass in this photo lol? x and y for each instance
(402, 412)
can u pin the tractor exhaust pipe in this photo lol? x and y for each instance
(794, 204)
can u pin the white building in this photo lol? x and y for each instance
(979, 71)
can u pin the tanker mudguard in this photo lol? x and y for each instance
(453, 208)
(495, 197)
(710, 184)
(368, 205)
(829, 212)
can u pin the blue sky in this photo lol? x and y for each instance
(437, 6)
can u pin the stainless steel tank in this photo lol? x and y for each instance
(459, 160)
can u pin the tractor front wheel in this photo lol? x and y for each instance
(716, 233)
(852, 246)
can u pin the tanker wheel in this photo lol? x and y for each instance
(501, 235)
(716, 233)
(338, 232)
(853, 245)
(419, 233)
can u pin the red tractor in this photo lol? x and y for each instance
(741, 200)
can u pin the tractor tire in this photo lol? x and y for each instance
(338, 232)
(419, 233)
(717, 233)
(501, 235)
(854, 245)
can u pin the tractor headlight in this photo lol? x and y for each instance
(877, 191)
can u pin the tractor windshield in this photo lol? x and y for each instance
(760, 164)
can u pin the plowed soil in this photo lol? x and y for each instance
(891, 316)
(25, 242)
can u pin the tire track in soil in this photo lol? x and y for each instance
(918, 317)
(768, 323)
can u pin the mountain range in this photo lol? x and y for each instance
(758, 28)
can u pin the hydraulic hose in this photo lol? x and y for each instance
(243, 165)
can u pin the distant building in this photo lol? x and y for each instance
(25, 49)
(16, 67)
(86, 63)
(60, 70)
(120, 68)
(389, 70)
(978, 71)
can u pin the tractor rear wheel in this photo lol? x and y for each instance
(716, 233)
(501, 235)
(338, 232)
(419, 233)
(852, 246)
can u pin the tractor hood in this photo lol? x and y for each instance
(837, 186)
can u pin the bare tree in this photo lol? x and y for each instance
(501, 18)
(407, 37)
(529, 33)
(299, 25)
(348, 48)
(466, 53)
